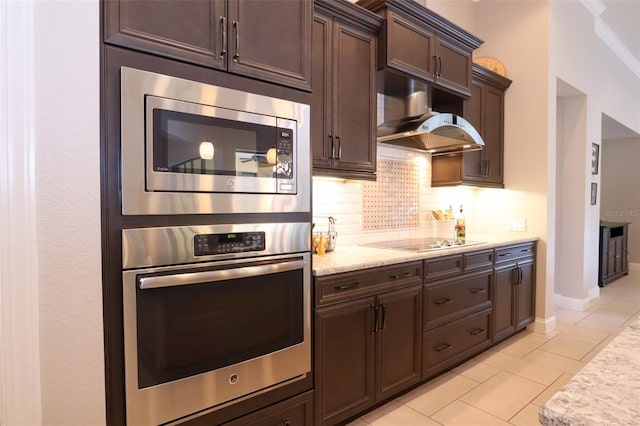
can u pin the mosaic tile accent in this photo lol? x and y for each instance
(393, 200)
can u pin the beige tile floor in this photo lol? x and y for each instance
(507, 384)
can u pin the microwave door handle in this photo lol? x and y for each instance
(220, 275)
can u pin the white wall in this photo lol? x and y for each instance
(580, 58)
(67, 177)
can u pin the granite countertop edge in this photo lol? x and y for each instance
(356, 257)
(605, 391)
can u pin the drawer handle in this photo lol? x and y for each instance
(444, 301)
(479, 290)
(442, 347)
(505, 254)
(527, 250)
(477, 331)
(347, 286)
(396, 276)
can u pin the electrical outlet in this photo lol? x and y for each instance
(517, 224)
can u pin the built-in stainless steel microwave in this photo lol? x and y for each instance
(194, 148)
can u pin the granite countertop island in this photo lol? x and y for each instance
(606, 391)
(356, 257)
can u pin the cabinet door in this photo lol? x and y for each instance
(503, 302)
(453, 66)
(525, 292)
(189, 30)
(618, 262)
(492, 133)
(474, 166)
(321, 142)
(354, 98)
(398, 341)
(271, 40)
(344, 366)
(410, 47)
(611, 257)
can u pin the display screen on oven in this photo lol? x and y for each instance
(233, 242)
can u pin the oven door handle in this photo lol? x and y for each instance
(221, 275)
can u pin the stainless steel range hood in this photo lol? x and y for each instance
(408, 122)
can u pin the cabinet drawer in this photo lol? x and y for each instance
(340, 287)
(478, 260)
(456, 297)
(442, 267)
(446, 345)
(295, 411)
(507, 254)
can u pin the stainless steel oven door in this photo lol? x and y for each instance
(199, 336)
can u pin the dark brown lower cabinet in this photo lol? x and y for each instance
(514, 294)
(456, 341)
(367, 349)
(380, 331)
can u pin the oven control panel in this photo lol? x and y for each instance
(234, 242)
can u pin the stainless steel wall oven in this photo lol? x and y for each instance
(212, 315)
(194, 148)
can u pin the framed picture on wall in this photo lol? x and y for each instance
(595, 158)
(594, 193)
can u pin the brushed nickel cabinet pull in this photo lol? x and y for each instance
(435, 70)
(396, 276)
(333, 147)
(346, 286)
(223, 25)
(477, 331)
(236, 25)
(443, 301)
(442, 347)
(375, 318)
(478, 290)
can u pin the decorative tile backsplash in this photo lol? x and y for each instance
(393, 200)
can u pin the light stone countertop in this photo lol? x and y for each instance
(356, 257)
(606, 391)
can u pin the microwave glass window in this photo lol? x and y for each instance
(197, 144)
(191, 329)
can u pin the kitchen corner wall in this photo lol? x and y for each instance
(397, 205)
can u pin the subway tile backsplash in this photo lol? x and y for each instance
(397, 205)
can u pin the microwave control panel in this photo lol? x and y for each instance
(234, 242)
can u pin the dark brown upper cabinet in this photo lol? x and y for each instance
(268, 40)
(343, 125)
(421, 44)
(485, 111)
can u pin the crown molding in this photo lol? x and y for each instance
(596, 7)
(606, 34)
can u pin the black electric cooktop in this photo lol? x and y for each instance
(423, 244)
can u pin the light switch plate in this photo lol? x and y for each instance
(517, 224)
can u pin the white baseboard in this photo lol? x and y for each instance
(572, 303)
(543, 325)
